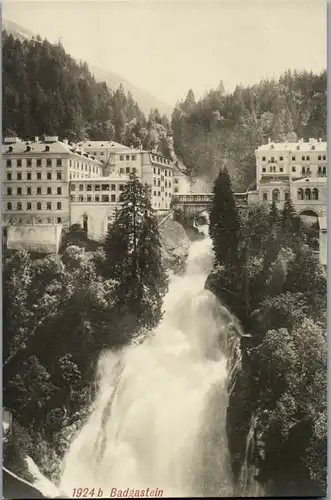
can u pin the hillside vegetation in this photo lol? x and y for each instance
(45, 91)
(225, 128)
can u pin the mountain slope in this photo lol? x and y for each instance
(145, 100)
(16, 30)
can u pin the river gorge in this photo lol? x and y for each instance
(159, 420)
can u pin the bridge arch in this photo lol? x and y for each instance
(309, 212)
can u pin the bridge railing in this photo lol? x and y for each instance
(193, 198)
(206, 198)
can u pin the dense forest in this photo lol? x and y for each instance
(45, 91)
(225, 128)
(270, 278)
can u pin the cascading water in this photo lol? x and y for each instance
(159, 420)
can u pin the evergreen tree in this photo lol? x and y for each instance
(274, 216)
(224, 223)
(133, 256)
(45, 91)
(289, 218)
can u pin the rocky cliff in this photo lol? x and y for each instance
(175, 245)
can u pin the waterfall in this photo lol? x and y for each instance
(159, 420)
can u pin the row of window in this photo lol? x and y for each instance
(161, 159)
(302, 194)
(80, 176)
(304, 170)
(39, 205)
(39, 163)
(158, 183)
(49, 162)
(96, 153)
(157, 171)
(303, 158)
(307, 194)
(104, 198)
(35, 220)
(158, 193)
(96, 187)
(19, 191)
(49, 176)
(193, 198)
(84, 167)
(128, 170)
(158, 205)
(127, 157)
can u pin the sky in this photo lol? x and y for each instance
(167, 47)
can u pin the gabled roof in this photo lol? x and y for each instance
(40, 147)
(294, 146)
(104, 145)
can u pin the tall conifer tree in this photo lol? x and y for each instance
(133, 256)
(224, 220)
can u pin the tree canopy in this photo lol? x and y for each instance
(225, 128)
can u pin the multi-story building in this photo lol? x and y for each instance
(36, 176)
(94, 202)
(53, 182)
(151, 167)
(293, 169)
(105, 151)
(297, 170)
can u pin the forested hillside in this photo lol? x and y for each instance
(45, 91)
(225, 128)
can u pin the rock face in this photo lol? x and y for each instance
(175, 245)
(15, 487)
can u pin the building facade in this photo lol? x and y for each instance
(297, 170)
(36, 177)
(94, 202)
(53, 182)
(293, 169)
(151, 168)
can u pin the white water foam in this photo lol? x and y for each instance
(159, 420)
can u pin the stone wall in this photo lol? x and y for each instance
(41, 238)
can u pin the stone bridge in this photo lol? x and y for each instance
(193, 204)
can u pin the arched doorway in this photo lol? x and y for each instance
(276, 195)
(311, 227)
(85, 223)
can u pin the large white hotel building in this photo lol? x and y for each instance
(293, 169)
(296, 169)
(53, 182)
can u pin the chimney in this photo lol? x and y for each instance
(11, 140)
(269, 140)
(36, 139)
(65, 141)
(51, 138)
